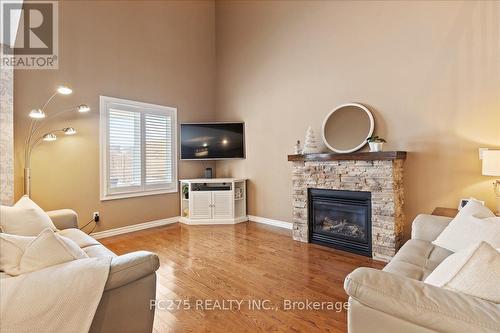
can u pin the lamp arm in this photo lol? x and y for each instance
(39, 126)
(48, 101)
(35, 126)
(31, 128)
(32, 123)
(34, 145)
(58, 113)
(30, 150)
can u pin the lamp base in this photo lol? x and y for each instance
(27, 182)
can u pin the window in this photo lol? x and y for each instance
(138, 148)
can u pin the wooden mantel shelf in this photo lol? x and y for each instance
(358, 156)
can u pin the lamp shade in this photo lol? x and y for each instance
(37, 114)
(491, 163)
(49, 137)
(82, 108)
(64, 90)
(69, 131)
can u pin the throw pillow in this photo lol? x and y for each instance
(474, 271)
(473, 224)
(22, 254)
(11, 250)
(25, 218)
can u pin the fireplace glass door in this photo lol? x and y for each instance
(341, 219)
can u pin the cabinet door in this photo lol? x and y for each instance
(222, 205)
(200, 205)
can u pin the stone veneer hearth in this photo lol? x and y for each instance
(379, 173)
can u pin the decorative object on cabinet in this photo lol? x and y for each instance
(346, 128)
(238, 193)
(297, 149)
(310, 143)
(209, 173)
(185, 191)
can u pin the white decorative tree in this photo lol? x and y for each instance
(310, 143)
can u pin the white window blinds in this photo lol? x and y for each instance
(158, 152)
(124, 149)
(138, 148)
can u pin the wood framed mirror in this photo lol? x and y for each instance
(346, 128)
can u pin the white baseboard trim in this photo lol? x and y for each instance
(265, 220)
(189, 221)
(175, 219)
(134, 227)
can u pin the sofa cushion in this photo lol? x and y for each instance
(79, 237)
(98, 251)
(416, 259)
(405, 269)
(92, 247)
(436, 257)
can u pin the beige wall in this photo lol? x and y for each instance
(157, 52)
(428, 70)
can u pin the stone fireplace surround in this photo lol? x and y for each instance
(379, 173)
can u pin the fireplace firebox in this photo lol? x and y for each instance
(340, 219)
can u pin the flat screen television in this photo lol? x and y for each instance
(212, 141)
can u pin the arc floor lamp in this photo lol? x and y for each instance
(33, 140)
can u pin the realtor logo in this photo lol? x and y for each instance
(29, 34)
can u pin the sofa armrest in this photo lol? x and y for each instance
(131, 267)
(422, 304)
(64, 218)
(428, 227)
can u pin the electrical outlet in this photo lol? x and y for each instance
(96, 216)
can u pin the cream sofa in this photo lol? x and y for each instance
(396, 300)
(131, 284)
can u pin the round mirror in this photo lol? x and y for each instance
(347, 127)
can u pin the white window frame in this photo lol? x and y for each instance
(105, 102)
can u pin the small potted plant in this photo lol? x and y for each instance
(376, 143)
(185, 191)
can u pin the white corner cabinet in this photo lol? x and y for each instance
(213, 201)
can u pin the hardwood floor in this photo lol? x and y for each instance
(245, 262)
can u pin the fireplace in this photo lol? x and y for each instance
(341, 219)
(380, 174)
